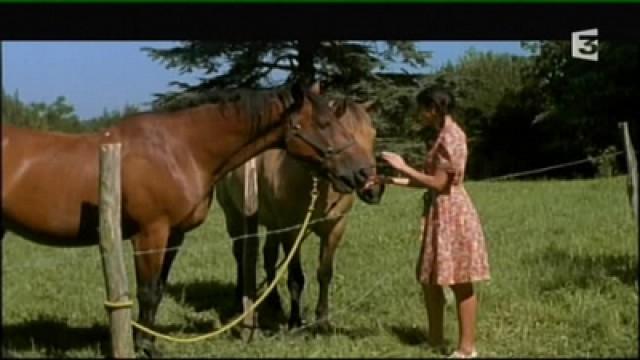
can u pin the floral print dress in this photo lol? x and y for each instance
(453, 242)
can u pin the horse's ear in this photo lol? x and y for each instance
(315, 88)
(371, 106)
(339, 108)
(297, 92)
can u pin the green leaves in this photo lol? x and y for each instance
(341, 66)
(57, 116)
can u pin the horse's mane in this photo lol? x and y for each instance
(345, 104)
(255, 103)
(252, 100)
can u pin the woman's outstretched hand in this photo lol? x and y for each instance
(396, 161)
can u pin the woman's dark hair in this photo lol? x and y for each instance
(435, 96)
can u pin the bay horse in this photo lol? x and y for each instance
(283, 192)
(170, 162)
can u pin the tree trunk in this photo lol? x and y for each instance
(306, 71)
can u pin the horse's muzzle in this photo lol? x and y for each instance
(371, 195)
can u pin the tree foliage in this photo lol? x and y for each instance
(519, 112)
(345, 66)
(589, 98)
(57, 116)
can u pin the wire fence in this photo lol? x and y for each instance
(553, 167)
(336, 216)
(362, 297)
(327, 218)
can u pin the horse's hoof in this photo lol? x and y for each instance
(247, 335)
(295, 323)
(324, 326)
(270, 331)
(243, 332)
(149, 353)
(147, 350)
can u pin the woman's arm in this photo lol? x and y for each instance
(417, 179)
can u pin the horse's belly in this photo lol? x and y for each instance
(197, 216)
(51, 219)
(48, 237)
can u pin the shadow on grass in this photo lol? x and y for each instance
(408, 335)
(209, 295)
(205, 296)
(585, 271)
(353, 333)
(55, 336)
(220, 297)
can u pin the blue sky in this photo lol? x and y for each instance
(101, 75)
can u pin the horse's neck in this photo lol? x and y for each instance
(226, 143)
(268, 140)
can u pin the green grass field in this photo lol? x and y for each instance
(563, 256)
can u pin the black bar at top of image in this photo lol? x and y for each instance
(318, 21)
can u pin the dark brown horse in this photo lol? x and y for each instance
(170, 164)
(284, 194)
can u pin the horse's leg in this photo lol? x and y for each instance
(331, 235)
(273, 311)
(175, 241)
(295, 281)
(152, 264)
(235, 230)
(245, 251)
(249, 264)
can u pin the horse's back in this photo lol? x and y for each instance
(48, 180)
(53, 159)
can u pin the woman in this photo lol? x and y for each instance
(453, 246)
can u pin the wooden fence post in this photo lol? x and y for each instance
(249, 247)
(632, 167)
(115, 275)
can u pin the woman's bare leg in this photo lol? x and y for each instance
(466, 303)
(434, 302)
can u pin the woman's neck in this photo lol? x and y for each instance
(441, 123)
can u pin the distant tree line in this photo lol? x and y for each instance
(519, 112)
(57, 116)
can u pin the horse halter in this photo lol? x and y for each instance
(325, 152)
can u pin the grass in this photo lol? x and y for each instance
(563, 256)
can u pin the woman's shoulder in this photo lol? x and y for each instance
(454, 132)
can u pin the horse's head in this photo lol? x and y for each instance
(315, 136)
(356, 118)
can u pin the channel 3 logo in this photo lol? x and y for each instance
(584, 44)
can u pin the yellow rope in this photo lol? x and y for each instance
(301, 235)
(118, 304)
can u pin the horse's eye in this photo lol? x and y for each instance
(295, 121)
(323, 121)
